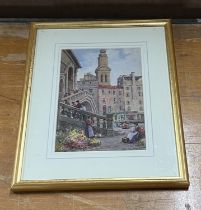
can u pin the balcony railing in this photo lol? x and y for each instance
(101, 124)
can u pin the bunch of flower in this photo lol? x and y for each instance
(94, 142)
(141, 143)
(74, 139)
(60, 141)
(59, 147)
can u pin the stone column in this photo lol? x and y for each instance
(66, 72)
(73, 78)
(66, 82)
(62, 80)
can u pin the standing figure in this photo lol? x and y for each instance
(78, 105)
(89, 132)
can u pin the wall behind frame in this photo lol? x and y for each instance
(132, 9)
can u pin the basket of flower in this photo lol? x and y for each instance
(94, 142)
(74, 139)
(59, 147)
(60, 141)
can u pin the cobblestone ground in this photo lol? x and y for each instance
(115, 143)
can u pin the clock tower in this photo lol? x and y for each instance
(103, 71)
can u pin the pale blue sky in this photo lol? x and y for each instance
(122, 61)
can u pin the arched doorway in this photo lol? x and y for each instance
(87, 106)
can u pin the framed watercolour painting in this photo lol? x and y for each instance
(100, 108)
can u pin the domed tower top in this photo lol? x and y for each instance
(102, 50)
(103, 71)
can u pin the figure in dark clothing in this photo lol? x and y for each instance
(78, 105)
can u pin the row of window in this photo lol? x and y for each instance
(114, 92)
(127, 94)
(139, 93)
(104, 101)
(109, 109)
(111, 92)
(129, 108)
(128, 102)
(138, 88)
(83, 82)
(140, 102)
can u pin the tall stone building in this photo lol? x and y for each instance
(132, 88)
(140, 94)
(103, 71)
(124, 100)
(133, 97)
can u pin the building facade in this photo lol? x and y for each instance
(89, 84)
(111, 99)
(124, 100)
(68, 72)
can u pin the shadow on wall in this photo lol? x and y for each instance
(100, 9)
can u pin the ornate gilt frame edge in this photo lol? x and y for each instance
(90, 184)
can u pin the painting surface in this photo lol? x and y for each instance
(100, 105)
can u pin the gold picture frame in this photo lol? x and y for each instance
(177, 179)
